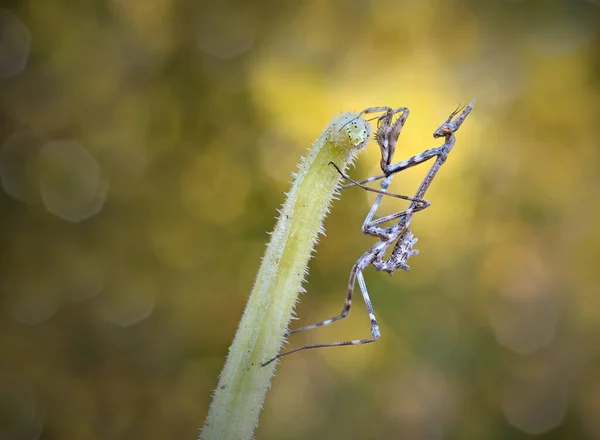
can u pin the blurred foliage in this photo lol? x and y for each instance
(145, 148)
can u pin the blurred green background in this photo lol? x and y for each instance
(145, 148)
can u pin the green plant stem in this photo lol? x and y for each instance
(243, 383)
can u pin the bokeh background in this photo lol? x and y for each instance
(145, 148)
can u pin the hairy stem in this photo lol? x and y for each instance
(243, 383)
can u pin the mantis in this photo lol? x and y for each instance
(398, 236)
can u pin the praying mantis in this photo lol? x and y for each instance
(398, 236)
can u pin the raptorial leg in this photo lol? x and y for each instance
(386, 109)
(388, 131)
(388, 134)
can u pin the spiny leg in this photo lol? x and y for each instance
(388, 131)
(369, 110)
(389, 112)
(375, 331)
(388, 134)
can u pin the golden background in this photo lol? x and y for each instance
(145, 148)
